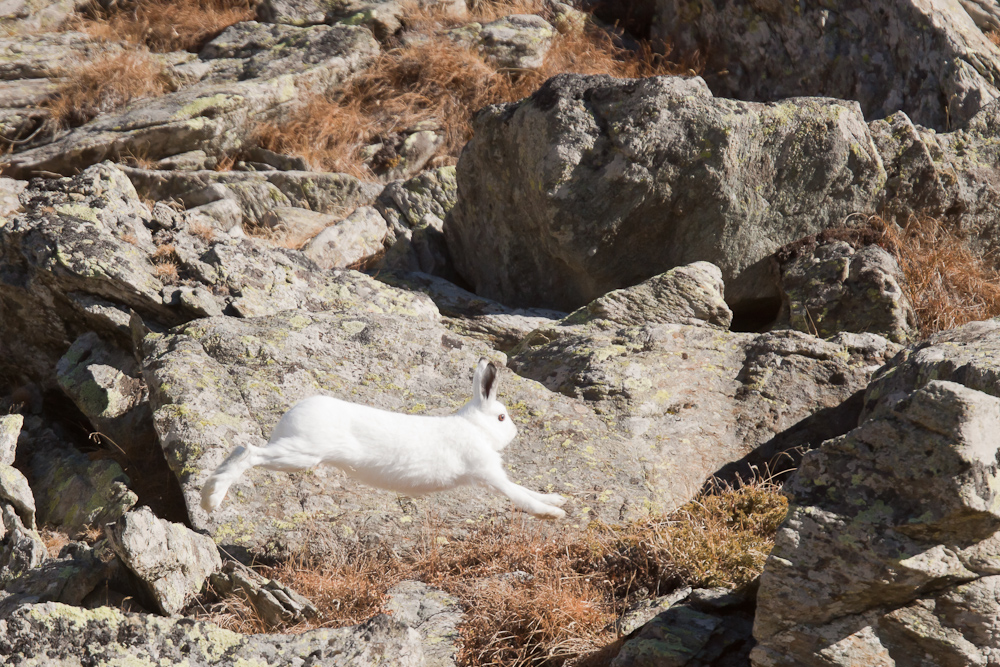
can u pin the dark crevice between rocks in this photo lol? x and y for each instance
(151, 478)
(756, 316)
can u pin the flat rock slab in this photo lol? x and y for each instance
(222, 382)
(216, 111)
(57, 635)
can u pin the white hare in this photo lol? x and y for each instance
(408, 454)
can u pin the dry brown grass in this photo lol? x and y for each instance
(947, 280)
(994, 37)
(106, 84)
(165, 261)
(165, 25)
(534, 597)
(203, 231)
(438, 83)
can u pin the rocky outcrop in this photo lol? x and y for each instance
(928, 59)
(171, 562)
(707, 627)
(250, 72)
(695, 398)
(593, 184)
(968, 355)
(691, 294)
(83, 256)
(829, 287)
(890, 542)
(415, 210)
(519, 41)
(354, 242)
(275, 603)
(949, 176)
(59, 635)
(10, 429)
(431, 612)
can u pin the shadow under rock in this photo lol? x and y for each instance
(781, 455)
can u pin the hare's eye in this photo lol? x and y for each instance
(502, 417)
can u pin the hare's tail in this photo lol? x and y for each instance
(216, 486)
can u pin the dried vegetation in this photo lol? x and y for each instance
(163, 25)
(948, 280)
(534, 597)
(437, 84)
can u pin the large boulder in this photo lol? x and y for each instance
(829, 286)
(593, 183)
(223, 382)
(928, 59)
(889, 553)
(58, 635)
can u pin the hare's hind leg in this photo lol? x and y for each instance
(216, 486)
(285, 454)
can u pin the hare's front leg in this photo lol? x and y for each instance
(547, 498)
(523, 499)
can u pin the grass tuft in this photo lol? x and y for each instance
(947, 280)
(536, 597)
(105, 84)
(164, 25)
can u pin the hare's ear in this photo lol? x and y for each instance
(484, 382)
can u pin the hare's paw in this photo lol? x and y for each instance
(554, 499)
(212, 495)
(550, 513)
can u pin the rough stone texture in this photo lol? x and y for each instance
(297, 222)
(415, 210)
(329, 193)
(106, 385)
(431, 612)
(833, 287)
(947, 176)
(593, 183)
(885, 526)
(694, 398)
(710, 627)
(274, 602)
(21, 548)
(255, 72)
(171, 561)
(351, 242)
(80, 258)
(384, 17)
(10, 428)
(223, 382)
(691, 294)
(9, 201)
(519, 41)
(985, 13)
(34, 16)
(969, 355)
(924, 57)
(74, 493)
(15, 491)
(69, 579)
(472, 315)
(57, 635)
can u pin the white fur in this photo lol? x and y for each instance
(408, 454)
